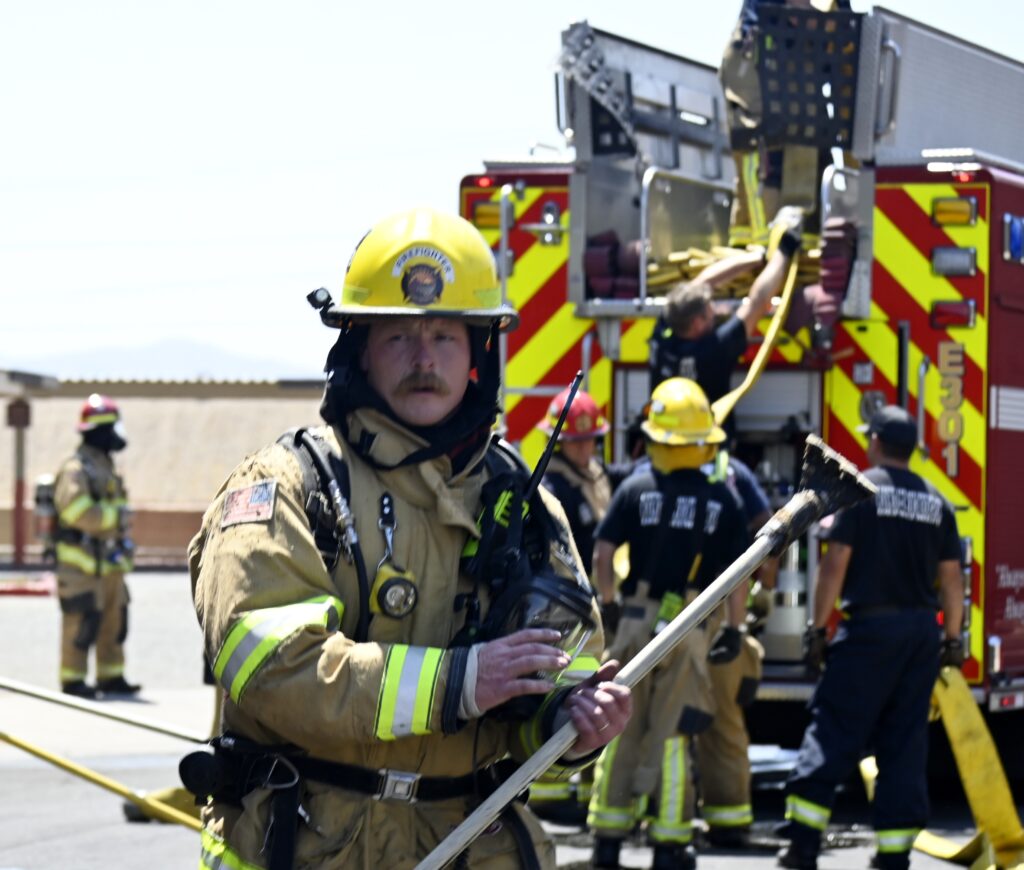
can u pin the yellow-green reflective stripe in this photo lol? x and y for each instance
(807, 813)
(255, 637)
(611, 819)
(100, 419)
(673, 781)
(109, 515)
(75, 510)
(407, 691)
(660, 832)
(728, 816)
(579, 669)
(217, 855)
(752, 183)
(542, 791)
(106, 671)
(69, 674)
(69, 554)
(897, 840)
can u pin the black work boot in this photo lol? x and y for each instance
(606, 853)
(117, 686)
(674, 857)
(79, 688)
(721, 837)
(798, 857)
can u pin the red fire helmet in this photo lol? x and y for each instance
(97, 411)
(584, 419)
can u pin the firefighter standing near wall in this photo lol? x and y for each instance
(364, 685)
(94, 553)
(891, 562)
(577, 478)
(682, 530)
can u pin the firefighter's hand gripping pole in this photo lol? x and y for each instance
(828, 482)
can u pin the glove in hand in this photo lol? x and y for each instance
(814, 648)
(951, 653)
(792, 219)
(726, 645)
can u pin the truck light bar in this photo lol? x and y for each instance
(955, 211)
(954, 262)
(1013, 238)
(960, 312)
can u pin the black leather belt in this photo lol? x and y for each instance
(387, 784)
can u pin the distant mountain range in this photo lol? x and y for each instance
(164, 360)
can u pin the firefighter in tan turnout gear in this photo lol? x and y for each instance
(344, 578)
(94, 553)
(682, 529)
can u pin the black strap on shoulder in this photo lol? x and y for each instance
(325, 475)
(319, 508)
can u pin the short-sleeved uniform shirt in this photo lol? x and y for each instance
(669, 520)
(898, 539)
(708, 360)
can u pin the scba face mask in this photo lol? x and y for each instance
(545, 600)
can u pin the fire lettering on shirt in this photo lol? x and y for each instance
(908, 504)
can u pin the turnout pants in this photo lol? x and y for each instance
(94, 613)
(873, 698)
(722, 750)
(645, 772)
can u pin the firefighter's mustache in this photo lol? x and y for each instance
(419, 381)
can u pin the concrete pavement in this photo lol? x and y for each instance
(50, 819)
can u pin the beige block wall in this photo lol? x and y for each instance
(184, 439)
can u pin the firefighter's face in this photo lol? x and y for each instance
(419, 366)
(579, 451)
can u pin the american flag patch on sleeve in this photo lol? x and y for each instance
(249, 504)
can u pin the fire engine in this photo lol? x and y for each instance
(920, 263)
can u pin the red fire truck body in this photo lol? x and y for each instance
(930, 305)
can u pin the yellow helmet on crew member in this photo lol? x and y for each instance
(680, 429)
(423, 263)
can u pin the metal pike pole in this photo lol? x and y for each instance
(98, 710)
(828, 482)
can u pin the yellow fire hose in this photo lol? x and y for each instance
(723, 407)
(999, 842)
(154, 808)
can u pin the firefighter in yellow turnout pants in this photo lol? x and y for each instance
(344, 579)
(94, 553)
(723, 749)
(682, 530)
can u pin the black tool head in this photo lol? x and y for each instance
(832, 477)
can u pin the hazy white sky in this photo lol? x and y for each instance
(190, 170)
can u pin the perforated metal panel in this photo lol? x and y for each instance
(807, 65)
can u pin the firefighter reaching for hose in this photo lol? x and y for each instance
(385, 613)
(687, 340)
(682, 529)
(94, 552)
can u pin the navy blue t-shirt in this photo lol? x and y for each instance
(708, 360)
(898, 539)
(670, 519)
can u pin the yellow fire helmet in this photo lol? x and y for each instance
(423, 263)
(680, 417)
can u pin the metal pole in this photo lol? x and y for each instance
(19, 495)
(98, 710)
(828, 482)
